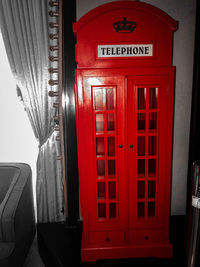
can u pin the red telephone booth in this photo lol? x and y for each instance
(124, 105)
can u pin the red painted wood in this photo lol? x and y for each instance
(112, 198)
(96, 27)
(145, 251)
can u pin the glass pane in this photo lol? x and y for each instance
(112, 190)
(99, 122)
(141, 145)
(141, 121)
(110, 99)
(152, 145)
(101, 190)
(102, 210)
(110, 122)
(111, 167)
(151, 189)
(111, 146)
(153, 97)
(141, 189)
(99, 96)
(152, 120)
(141, 167)
(141, 98)
(112, 210)
(151, 209)
(140, 209)
(100, 168)
(100, 151)
(152, 167)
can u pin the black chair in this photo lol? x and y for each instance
(17, 218)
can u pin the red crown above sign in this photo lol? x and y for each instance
(124, 26)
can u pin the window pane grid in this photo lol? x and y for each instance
(147, 150)
(99, 98)
(147, 122)
(106, 148)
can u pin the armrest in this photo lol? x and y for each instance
(24, 221)
(7, 174)
(12, 211)
(4, 211)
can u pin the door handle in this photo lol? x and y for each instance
(107, 239)
(131, 146)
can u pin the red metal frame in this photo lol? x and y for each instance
(124, 230)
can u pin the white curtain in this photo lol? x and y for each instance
(25, 29)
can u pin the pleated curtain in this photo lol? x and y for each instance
(25, 30)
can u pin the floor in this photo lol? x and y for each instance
(33, 259)
(136, 263)
(178, 238)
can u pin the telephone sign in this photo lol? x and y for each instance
(125, 50)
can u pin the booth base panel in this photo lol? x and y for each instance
(151, 251)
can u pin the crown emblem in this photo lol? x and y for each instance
(124, 26)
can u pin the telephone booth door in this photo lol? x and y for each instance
(124, 108)
(148, 104)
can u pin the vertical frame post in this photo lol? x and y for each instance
(69, 118)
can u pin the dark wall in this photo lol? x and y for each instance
(194, 153)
